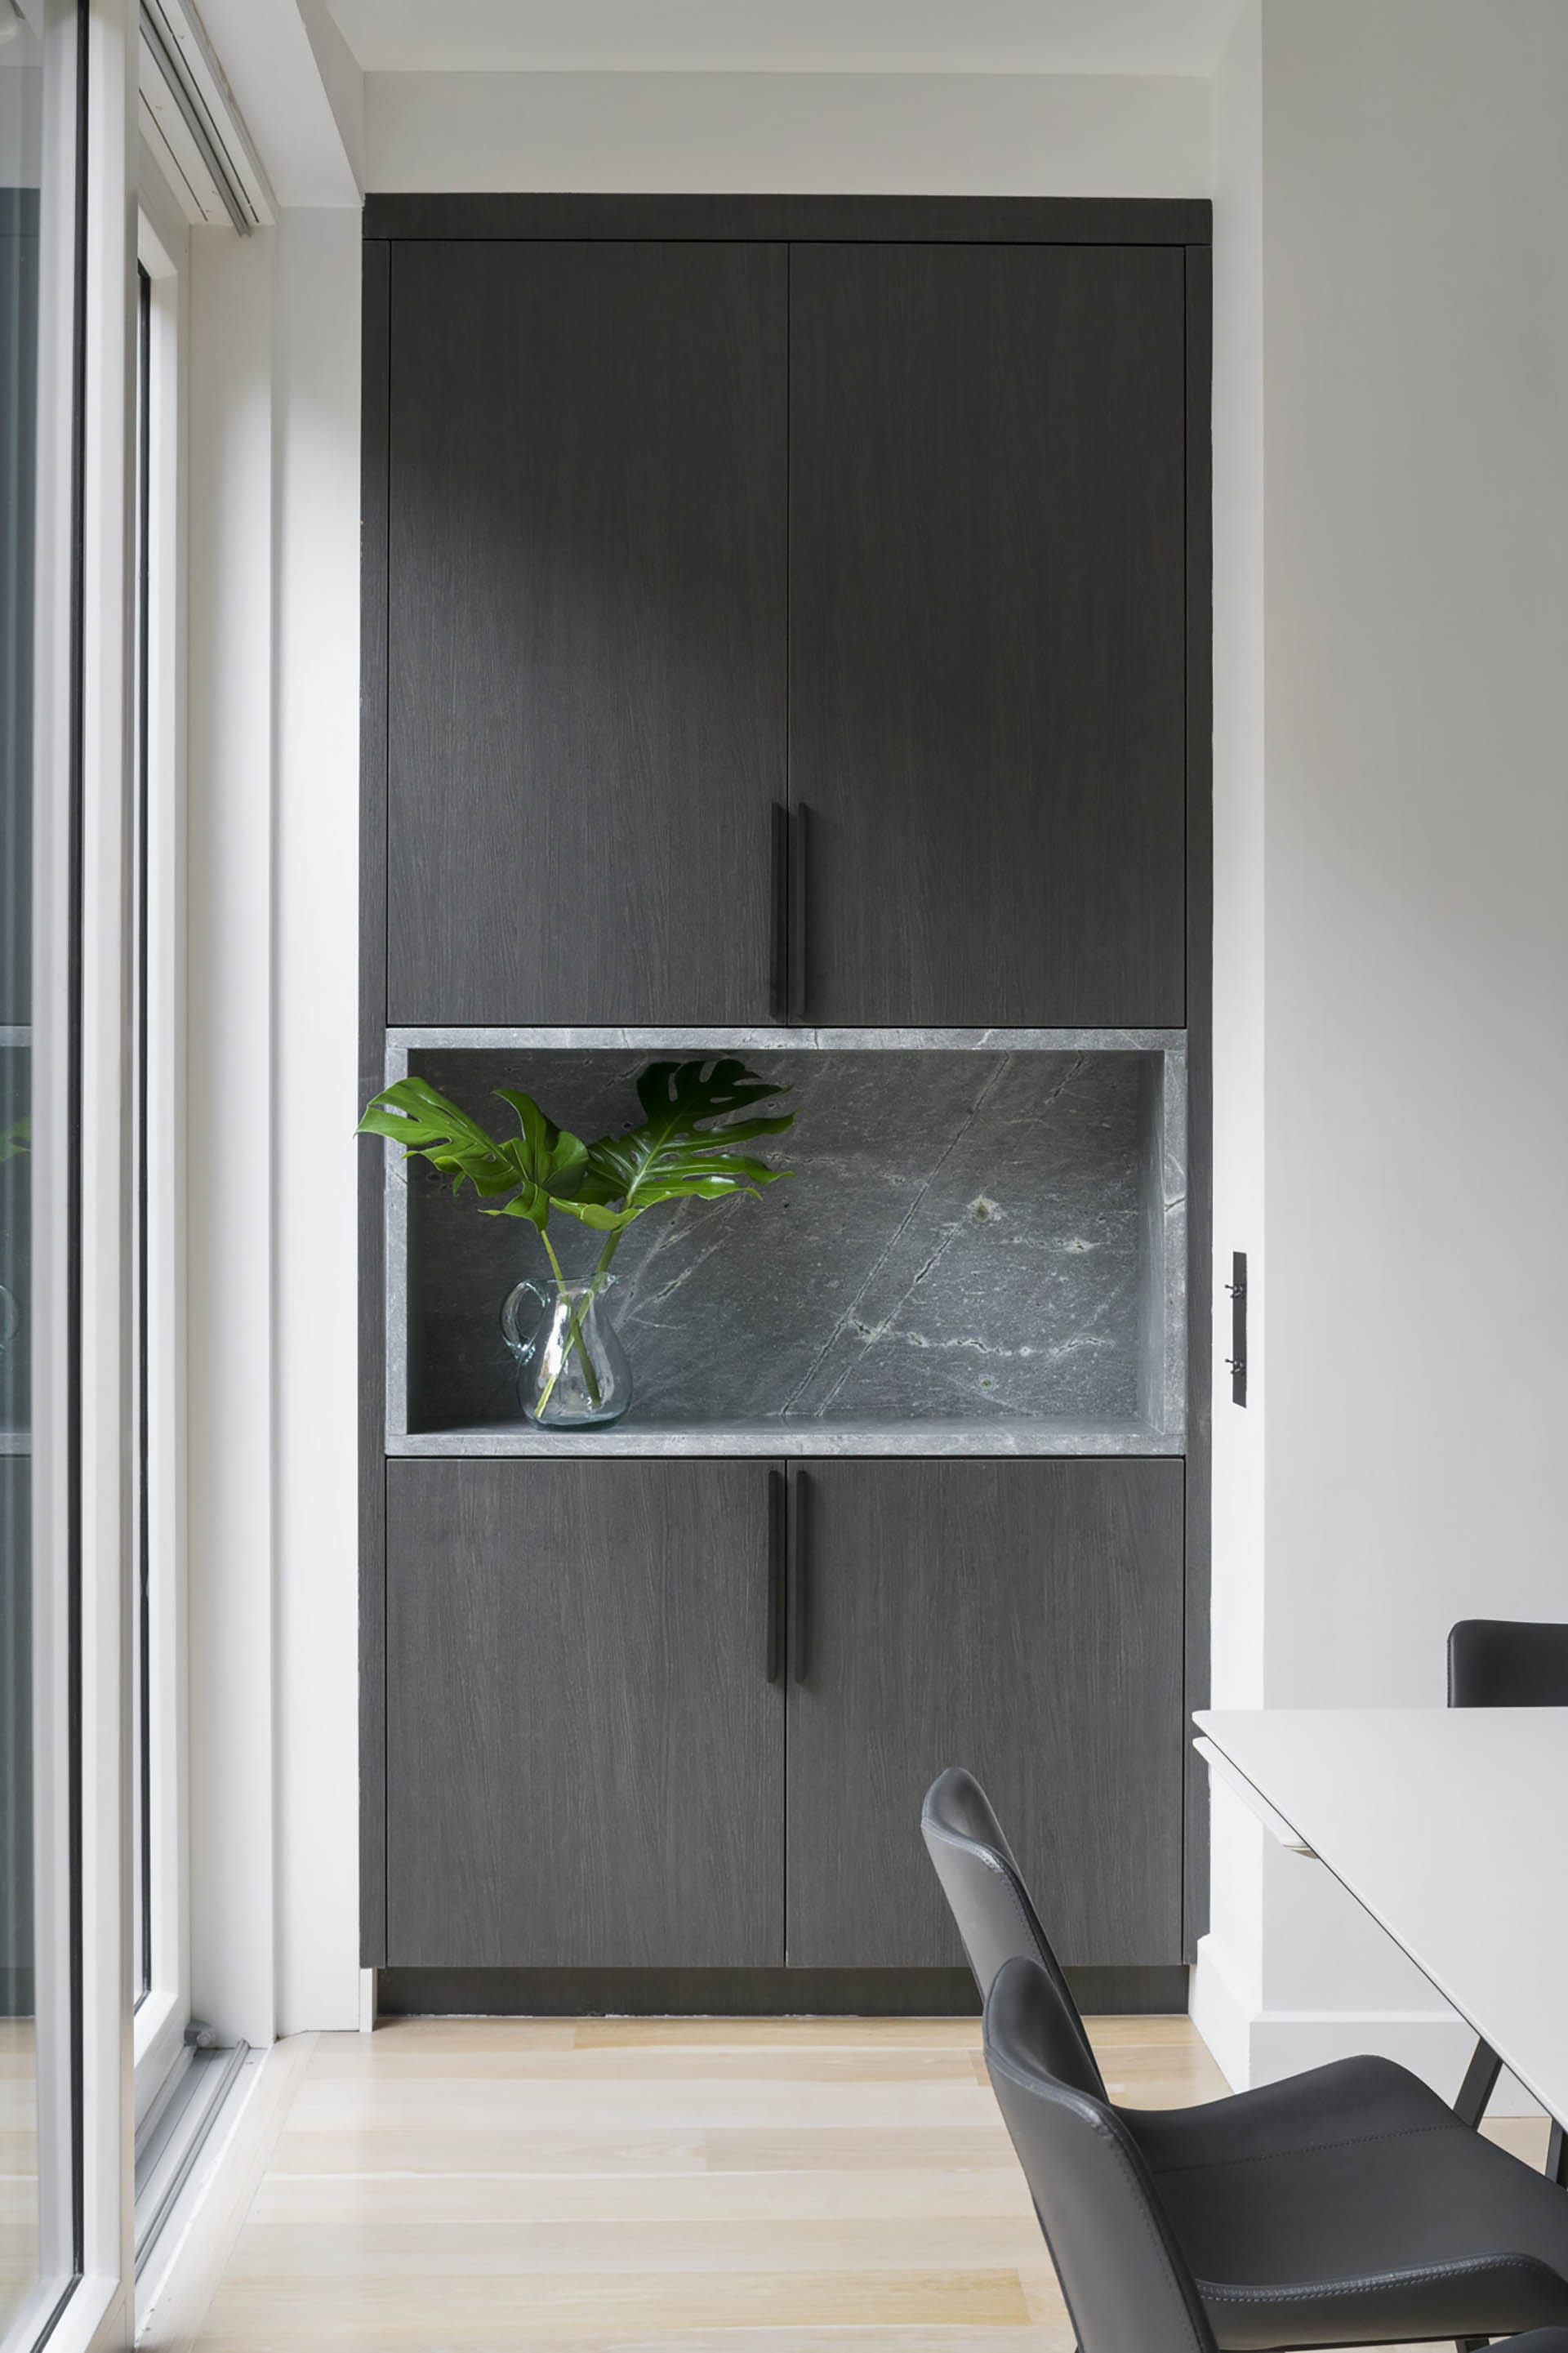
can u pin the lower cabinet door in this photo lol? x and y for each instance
(584, 1753)
(1023, 1619)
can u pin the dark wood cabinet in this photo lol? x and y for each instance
(780, 610)
(988, 633)
(584, 1755)
(680, 535)
(585, 630)
(1023, 1619)
(588, 1758)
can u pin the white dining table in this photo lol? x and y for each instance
(1450, 1826)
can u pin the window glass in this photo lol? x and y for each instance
(141, 1549)
(42, 122)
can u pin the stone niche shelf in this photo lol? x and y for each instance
(982, 1251)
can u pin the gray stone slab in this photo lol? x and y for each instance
(815, 1438)
(971, 1235)
(795, 1038)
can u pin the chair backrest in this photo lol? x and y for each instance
(1126, 2282)
(1507, 1662)
(996, 1917)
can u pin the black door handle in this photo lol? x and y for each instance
(798, 933)
(778, 885)
(1235, 1363)
(802, 1576)
(775, 1574)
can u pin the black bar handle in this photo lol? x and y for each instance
(778, 889)
(1235, 1363)
(798, 886)
(802, 1578)
(775, 1574)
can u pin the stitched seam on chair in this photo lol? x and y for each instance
(1031, 1933)
(1308, 2149)
(1378, 2283)
(1108, 2135)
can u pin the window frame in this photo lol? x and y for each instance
(57, 798)
(79, 1264)
(158, 1515)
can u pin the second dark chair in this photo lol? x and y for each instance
(1506, 1663)
(1344, 2206)
(1123, 2272)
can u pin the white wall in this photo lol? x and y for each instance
(271, 1076)
(807, 134)
(1413, 189)
(1237, 1578)
(1416, 293)
(228, 1110)
(316, 437)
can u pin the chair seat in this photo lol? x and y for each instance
(1349, 2206)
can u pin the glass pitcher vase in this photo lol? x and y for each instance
(572, 1372)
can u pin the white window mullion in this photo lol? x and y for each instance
(162, 2015)
(107, 2121)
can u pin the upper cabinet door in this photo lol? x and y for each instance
(586, 631)
(987, 696)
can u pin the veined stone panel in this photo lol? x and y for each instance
(986, 1234)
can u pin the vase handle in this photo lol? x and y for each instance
(521, 1348)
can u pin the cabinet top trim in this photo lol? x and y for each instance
(776, 1036)
(962, 220)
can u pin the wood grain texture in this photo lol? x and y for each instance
(992, 220)
(1021, 1619)
(1200, 1070)
(585, 1758)
(741, 2187)
(371, 1435)
(587, 629)
(988, 680)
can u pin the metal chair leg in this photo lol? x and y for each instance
(1481, 2082)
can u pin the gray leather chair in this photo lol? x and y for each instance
(1345, 2206)
(1506, 1663)
(1127, 2283)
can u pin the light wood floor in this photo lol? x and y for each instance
(640, 2186)
(18, 2165)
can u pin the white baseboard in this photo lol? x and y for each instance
(367, 2001)
(1222, 2017)
(1253, 2045)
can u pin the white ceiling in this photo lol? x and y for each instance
(1091, 37)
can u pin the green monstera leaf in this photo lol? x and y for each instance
(674, 1154)
(669, 1156)
(417, 1116)
(554, 1167)
(543, 1166)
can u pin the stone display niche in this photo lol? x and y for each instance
(981, 1249)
